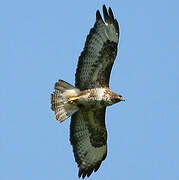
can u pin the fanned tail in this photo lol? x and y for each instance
(60, 102)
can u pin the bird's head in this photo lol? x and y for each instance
(117, 98)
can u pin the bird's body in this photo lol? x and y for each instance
(95, 98)
(86, 102)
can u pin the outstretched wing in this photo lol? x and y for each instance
(88, 137)
(97, 58)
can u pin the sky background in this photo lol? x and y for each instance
(40, 42)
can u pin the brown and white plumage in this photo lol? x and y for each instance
(87, 101)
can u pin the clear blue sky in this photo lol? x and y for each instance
(40, 42)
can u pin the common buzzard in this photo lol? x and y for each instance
(86, 102)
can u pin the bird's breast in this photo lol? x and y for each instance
(94, 98)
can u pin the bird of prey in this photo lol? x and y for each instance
(86, 102)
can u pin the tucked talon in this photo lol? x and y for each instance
(72, 99)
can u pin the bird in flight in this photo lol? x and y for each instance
(86, 102)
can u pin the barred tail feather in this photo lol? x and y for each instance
(60, 100)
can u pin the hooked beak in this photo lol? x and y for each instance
(122, 99)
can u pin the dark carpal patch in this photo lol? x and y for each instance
(98, 137)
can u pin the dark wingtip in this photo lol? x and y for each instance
(111, 13)
(104, 6)
(109, 17)
(89, 172)
(105, 13)
(83, 173)
(116, 26)
(97, 166)
(80, 172)
(98, 15)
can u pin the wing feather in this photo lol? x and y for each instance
(88, 137)
(97, 58)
